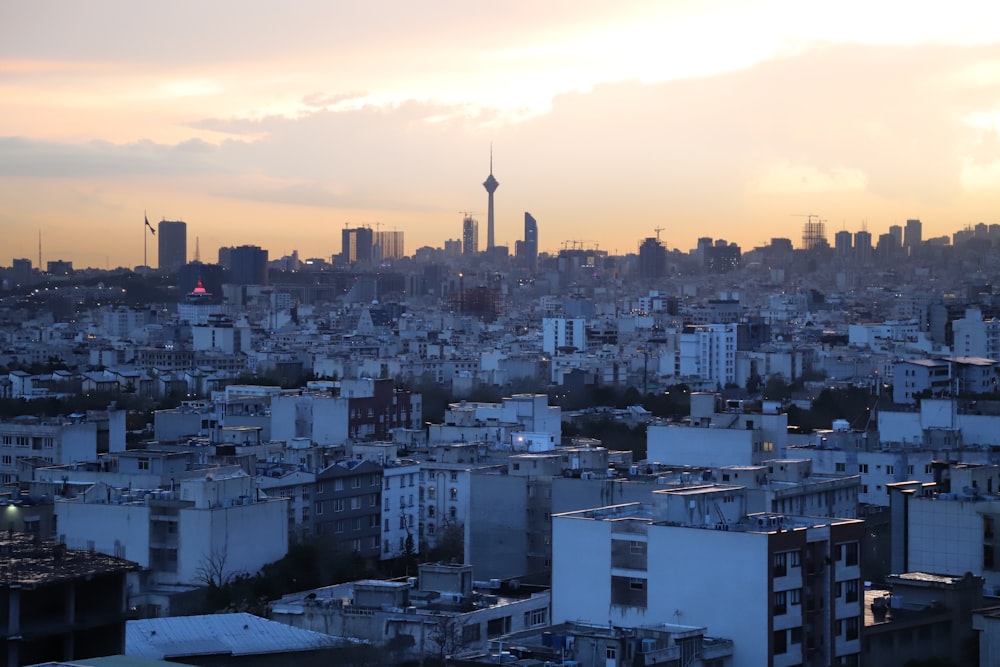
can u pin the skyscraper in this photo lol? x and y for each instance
(389, 245)
(356, 245)
(530, 241)
(249, 265)
(912, 234)
(842, 243)
(491, 184)
(470, 234)
(171, 237)
(652, 258)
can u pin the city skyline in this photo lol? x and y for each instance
(722, 119)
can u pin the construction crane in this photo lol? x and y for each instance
(658, 230)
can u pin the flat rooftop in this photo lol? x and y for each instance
(27, 562)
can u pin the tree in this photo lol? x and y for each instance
(446, 636)
(775, 389)
(213, 570)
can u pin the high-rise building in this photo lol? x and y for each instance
(470, 235)
(842, 243)
(491, 184)
(652, 258)
(389, 245)
(912, 235)
(356, 245)
(248, 265)
(171, 237)
(530, 247)
(863, 245)
(20, 272)
(814, 233)
(896, 232)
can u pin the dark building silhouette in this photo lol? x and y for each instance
(652, 259)
(248, 265)
(470, 235)
(171, 238)
(527, 250)
(59, 605)
(842, 243)
(356, 245)
(59, 267)
(912, 234)
(211, 277)
(20, 272)
(723, 257)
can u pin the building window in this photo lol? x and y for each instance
(319, 487)
(534, 618)
(851, 590)
(387, 507)
(430, 511)
(795, 596)
(453, 513)
(780, 603)
(889, 470)
(373, 500)
(454, 476)
(386, 529)
(863, 467)
(356, 503)
(796, 637)
(430, 492)
(338, 485)
(852, 628)
(628, 591)
(849, 552)
(355, 482)
(780, 642)
(453, 493)
(841, 467)
(794, 559)
(319, 507)
(338, 505)
(341, 525)
(780, 564)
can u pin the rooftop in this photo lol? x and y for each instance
(228, 634)
(29, 563)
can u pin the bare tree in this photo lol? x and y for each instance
(213, 569)
(447, 636)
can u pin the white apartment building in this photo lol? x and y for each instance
(210, 523)
(400, 507)
(713, 438)
(949, 526)
(976, 337)
(708, 353)
(56, 441)
(786, 589)
(563, 332)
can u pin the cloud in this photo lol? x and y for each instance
(29, 158)
(861, 124)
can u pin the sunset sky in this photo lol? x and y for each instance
(278, 123)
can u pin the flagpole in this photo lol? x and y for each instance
(145, 264)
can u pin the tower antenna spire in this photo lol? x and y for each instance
(491, 184)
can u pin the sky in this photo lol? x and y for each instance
(278, 124)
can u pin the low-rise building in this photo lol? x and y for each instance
(434, 615)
